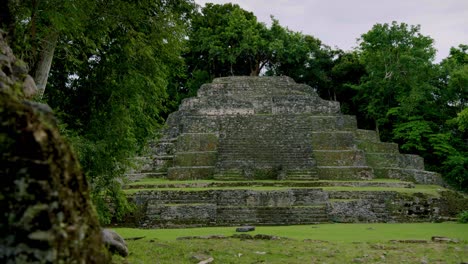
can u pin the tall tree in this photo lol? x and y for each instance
(347, 72)
(451, 102)
(304, 58)
(226, 40)
(398, 61)
(109, 87)
(39, 24)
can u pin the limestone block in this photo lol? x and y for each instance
(340, 158)
(377, 147)
(197, 158)
(345, 173)
(342, 140)
(196, 142)
(367, 135)
(190, 173)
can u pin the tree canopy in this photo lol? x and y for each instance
(110, 68)
(115, 69)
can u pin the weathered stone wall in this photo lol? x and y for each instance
(267, 143)
(281, 198)
(384, 206)
(231, 207)
(45, 206)
(14, 78)
(291, 206)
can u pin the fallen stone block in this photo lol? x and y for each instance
(245, 229)
(444, 240)
(114, 242)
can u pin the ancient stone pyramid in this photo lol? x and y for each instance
(266, 150)
(258, 128)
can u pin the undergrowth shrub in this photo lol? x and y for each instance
(463, 217)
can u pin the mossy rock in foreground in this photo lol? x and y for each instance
(47, 216)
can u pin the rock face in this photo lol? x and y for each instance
(14, 76)
(45, 206)
(114, 242)
(273, 128)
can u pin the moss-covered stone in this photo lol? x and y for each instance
(47, 216)
(14, 78)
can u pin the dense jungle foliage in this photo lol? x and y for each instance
(113, 70)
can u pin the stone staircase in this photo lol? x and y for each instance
(195, 156)
(388, 163)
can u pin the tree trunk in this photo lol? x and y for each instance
(254, 72)
(258, 67)
(45, 62)
(377, 128)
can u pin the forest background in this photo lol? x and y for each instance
(113, 71)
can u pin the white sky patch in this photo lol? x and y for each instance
(338, 23)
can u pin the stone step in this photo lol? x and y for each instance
(410, 161)
(188, 142)
(164, 157)
(302, 175)
(164, 148)
(175, 203)
(364, 195)
(167, 140)
(210, 215)
(338, 140)
(200, 124)
(340, 157)
(271, 215)
(190, 173)
(180, 214)
(210, 106)
(412, 175)
(238, 197)
(367, 135)
(377, 147)
(241, 182)
(196, 158)
(302, 104)
(138, 176)
(147, 174)
(396, 160)
(345, 173)
(228, 177)
(321, 123)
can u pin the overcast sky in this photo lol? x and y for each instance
(338, 23)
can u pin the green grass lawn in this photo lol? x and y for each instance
(328, 232)
(324, 243)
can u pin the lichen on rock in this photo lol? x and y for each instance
(47, 216)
